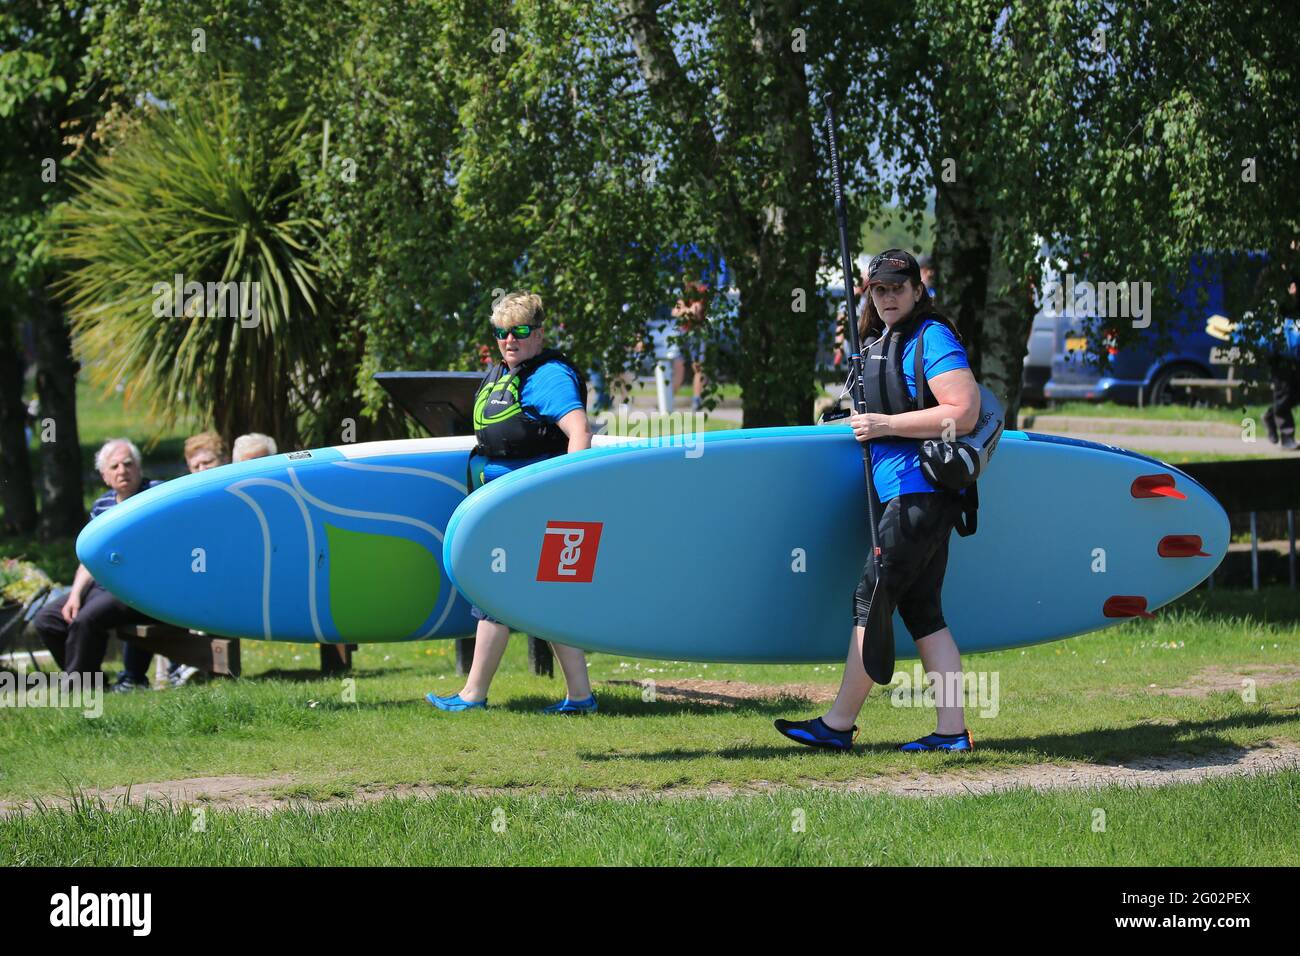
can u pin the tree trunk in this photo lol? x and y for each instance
(1005, 330)
(764, 224)
(992, 308)
(779, 308)
(16, 491)
(961, 259)
(62, 507)
(779, 345)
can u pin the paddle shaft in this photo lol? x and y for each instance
(859, 391)
(879, 630)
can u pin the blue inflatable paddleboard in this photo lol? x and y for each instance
(747, 545)
(335, 545)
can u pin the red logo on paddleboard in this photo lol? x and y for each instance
(569, 551)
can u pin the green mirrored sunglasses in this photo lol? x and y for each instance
(520, 331)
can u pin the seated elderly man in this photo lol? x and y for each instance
(253, 445)
(75, 627)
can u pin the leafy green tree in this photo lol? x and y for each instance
(1116, 135)
(371, 180)
(463, 148)
(195, 195)
(1188, 145)
(47, 108)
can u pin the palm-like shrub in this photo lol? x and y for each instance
(197, 191)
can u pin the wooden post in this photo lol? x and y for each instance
(336, 658)
(225, 657)
(464, 655)
(1254, 554)
(541, 660)
(1290, 555)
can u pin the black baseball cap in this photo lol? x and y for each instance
(893, 266)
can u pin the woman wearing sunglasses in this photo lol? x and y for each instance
(916, 517)
(530, 407)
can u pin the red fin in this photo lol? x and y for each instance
(1180, 546)
(1156, 486)
(1126, 605)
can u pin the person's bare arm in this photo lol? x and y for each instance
(81, 582)
(576, 428)
(959, 404)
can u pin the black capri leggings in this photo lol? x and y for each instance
(913, 535)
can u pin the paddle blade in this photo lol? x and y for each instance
(878, 640)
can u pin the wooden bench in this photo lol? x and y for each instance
(1230, 383)
(213, 655)
(1219, 356)
(1252, 486)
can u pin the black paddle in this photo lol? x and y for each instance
(878, 642)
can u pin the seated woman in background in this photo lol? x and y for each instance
(202, 451)
(205, 450)
(253, 445)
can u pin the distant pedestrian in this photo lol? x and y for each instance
(691, 313)
(1284, 372)
(928, 274)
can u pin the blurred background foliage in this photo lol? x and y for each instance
(386, 167)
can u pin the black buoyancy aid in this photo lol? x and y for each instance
(500, 426)
(887, 392)
(886, 385)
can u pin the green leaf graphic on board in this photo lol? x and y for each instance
(381, 586)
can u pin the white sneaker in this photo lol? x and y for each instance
(182, 675)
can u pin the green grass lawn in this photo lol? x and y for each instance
(1087, 699)
(1217, 823)
(725, 391)
(1192, 457)
(1230, 415)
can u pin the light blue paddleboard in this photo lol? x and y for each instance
(334, 545)
(748, 546)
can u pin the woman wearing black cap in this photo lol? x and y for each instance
(916, 517)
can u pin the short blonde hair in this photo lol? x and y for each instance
(518, 308)
(205, 441)
(253, 441)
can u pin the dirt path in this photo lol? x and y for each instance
(728, 693)
(1215, 679)
(268, 793)
(250, 793)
